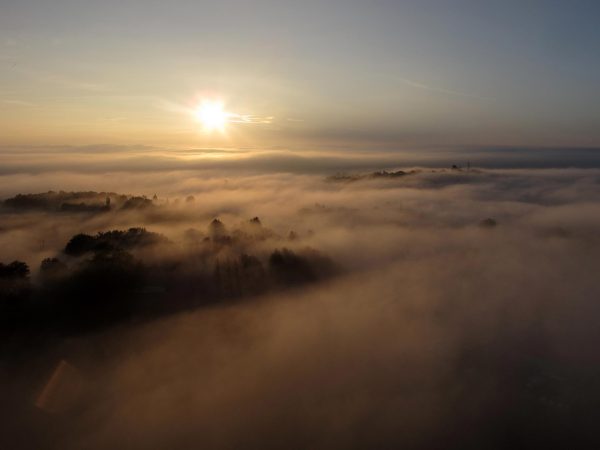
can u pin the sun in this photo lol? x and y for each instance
(212, 115)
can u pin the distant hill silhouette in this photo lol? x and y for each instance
(89, 201)
(398, 174)
(345, 178)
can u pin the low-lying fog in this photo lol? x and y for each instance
(462, 313)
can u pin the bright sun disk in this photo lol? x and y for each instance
(211, 115)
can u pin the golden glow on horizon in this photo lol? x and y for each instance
(212, 115)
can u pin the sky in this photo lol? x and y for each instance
(304, 75)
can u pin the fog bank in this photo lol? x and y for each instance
(463, 316)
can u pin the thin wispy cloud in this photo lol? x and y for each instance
(250, 119)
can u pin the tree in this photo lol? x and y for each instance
(80, 244)
(14, 270)
(52, 267)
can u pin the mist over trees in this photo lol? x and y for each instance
(104, 279)
(114, 240)
(84, 202)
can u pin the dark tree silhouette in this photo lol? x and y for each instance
(52, 268)
(111, 284)
(14, 271)
(290, 268)
(80, 244)
(488, 223)
(14, 290)
(137, 203)
(112, 240)
(218, 232)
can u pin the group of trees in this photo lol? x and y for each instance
(14, 270)
(112, 240)
(88, 201)
(102, 279)
(344, 177)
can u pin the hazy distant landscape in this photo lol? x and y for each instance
(406, 307)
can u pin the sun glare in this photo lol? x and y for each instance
(211, 115)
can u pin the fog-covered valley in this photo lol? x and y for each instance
(415, 308)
